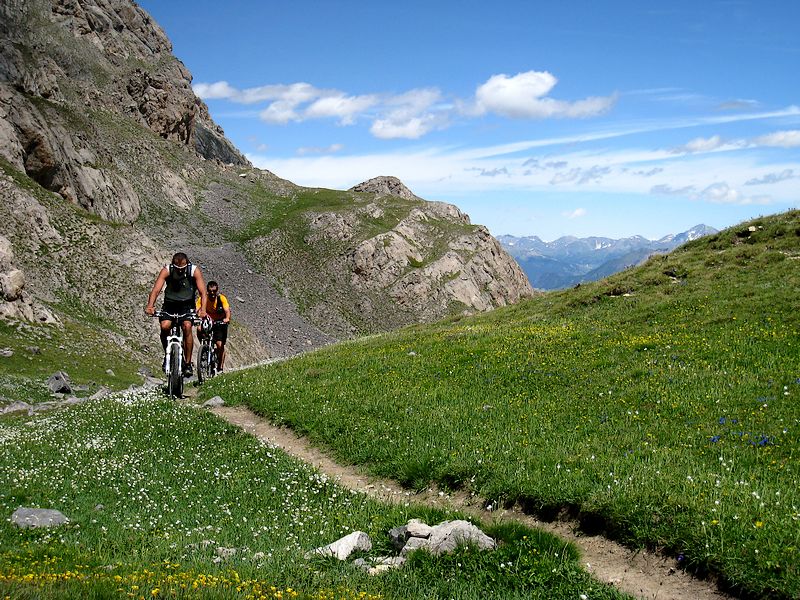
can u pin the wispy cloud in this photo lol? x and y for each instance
(738, 105)
(490, 172)
(575, 214)
(781, 139)
(700, 145)
(716, 193)
(772, 177)
(580, 176)
(306, 150)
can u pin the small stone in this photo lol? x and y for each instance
(110, 373)
(214, 402)
(6, 352)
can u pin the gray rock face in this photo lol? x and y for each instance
(123, 64)
(26, 518)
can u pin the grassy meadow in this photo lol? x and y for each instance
(659, 406)
(158, 493)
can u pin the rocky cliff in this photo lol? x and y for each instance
(109, 163)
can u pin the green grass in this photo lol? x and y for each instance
(84, 352)
(659, 405)
(153, 488)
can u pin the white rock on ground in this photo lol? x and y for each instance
(344, 547)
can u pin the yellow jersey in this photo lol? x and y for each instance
(215, 307)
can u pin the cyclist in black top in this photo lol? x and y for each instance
(181, 281)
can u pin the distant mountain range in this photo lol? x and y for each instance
(568, 260)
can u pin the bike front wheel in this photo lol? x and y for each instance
(204, 367)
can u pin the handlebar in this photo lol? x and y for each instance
(188, 316)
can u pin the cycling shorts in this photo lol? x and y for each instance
(176, 307)
(220, 332)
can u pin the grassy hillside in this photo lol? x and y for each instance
(659, 405)
(157, 493)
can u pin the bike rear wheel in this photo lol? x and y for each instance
(175, 376)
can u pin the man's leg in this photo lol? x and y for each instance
(188, 342)
(165, 326)
(220, 355)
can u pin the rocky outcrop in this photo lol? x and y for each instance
(385, 186)
(426, 270)
(15, 301)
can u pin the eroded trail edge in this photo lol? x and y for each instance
(641, 574)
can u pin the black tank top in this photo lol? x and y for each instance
(181, 286)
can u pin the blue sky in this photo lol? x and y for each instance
(565, 118)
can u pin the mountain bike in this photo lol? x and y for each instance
(207, 355)
(173, 357)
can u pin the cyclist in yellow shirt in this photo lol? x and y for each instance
(219, 309)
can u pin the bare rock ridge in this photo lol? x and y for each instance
(93, 58)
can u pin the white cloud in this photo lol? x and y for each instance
(575, 214)
(213, 91)
(524, 96)
(782, 139)
(345, 108)
(409, 115)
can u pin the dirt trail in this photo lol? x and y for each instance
(640, 574)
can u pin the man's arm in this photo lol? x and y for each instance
(201, 287)
(227, 318)
(150, 309)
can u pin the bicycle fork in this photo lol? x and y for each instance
(174, 344)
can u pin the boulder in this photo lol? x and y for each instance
(26, 518)
(58, 383)
(446, 536)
